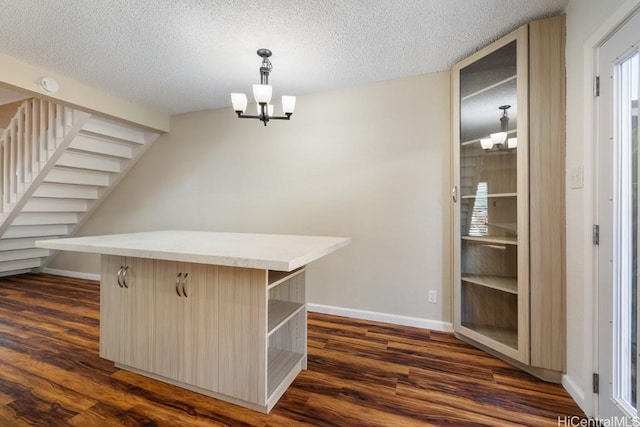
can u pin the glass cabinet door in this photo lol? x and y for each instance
(488, 201)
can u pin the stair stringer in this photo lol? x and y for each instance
(104, 192)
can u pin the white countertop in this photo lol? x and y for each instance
(263, 251)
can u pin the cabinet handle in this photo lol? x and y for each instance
(124, 277)
(120, 276)
(454, 194)
(184, 280)
(178, 284)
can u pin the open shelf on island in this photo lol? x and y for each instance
(276, 277)
(504, 240)
(280, 312)
(501, 283)
(506, 336)
(281, 363)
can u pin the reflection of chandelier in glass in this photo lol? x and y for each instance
(498, 139)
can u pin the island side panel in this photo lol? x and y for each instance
(242, 330)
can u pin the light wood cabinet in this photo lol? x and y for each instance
(237, 334)
(508, 193)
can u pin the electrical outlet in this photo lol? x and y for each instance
(433, 297)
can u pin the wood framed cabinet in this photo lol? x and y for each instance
(237, 334)
(508, 194)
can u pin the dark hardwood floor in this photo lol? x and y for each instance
(359, 374)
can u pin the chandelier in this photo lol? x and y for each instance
(262, 94)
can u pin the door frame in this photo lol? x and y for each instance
(590, 195)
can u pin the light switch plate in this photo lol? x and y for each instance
(576, 177)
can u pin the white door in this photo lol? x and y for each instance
(618, 213)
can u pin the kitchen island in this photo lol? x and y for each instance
(222, 314)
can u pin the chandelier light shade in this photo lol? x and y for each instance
(288, 104)
(239, 101)
(262, 93)
(486, 143)
(499, 140)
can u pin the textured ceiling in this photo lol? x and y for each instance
(184, 55)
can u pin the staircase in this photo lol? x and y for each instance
(58, 164)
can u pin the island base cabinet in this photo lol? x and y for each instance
(236, 334)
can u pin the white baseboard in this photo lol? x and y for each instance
(69, 273)
(577, 393)
(436, 325)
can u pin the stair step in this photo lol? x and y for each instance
(74, 176)
(21, 264)
(43, 231)
(67, 191)
(43, 204)
(17, 243)
(87, 161)
(23, 254)
(44, 218)
(96, 145)
(104, 127)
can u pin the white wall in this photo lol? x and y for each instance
(584, 19)
(370, 162)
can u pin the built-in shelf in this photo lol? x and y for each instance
(501, 283)
(487, 88)
(280, 364)
(477, 140)
(276, 277)
(280, 312)
(506, 336)
(504, 240)
(491, 196)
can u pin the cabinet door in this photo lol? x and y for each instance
(168, 319)
(200, 338)
(136, 308)
(125, 311)
(110, 307)
(491, 197)
(185, 343)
